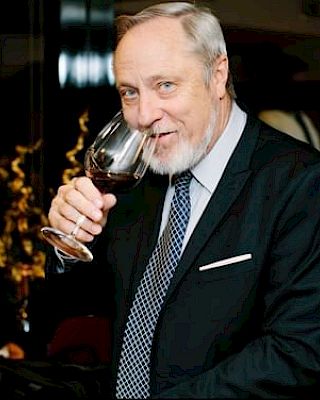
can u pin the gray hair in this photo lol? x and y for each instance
(199, 24)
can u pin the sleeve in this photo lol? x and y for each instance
(58, 262)
(55, 262)
(284, 359)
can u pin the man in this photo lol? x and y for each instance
(240, 313)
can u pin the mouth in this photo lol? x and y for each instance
(162, 134)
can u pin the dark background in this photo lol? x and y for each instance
(265, 40)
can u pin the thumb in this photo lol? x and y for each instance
(109, 201)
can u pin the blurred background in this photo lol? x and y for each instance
(58, 91)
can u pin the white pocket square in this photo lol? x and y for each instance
(226, 261)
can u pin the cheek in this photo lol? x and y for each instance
(199, 120)
(130, 116)
(195, 129)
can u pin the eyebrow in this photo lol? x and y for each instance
(150, 80)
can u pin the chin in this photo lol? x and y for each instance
(180, 157)
(176, 164)
(160, 166)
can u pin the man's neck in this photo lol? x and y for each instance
(223, 115)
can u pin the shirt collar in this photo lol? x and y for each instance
(210, 169)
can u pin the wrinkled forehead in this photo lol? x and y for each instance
(154, 32)
(156, 38)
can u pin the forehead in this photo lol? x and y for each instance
(158, 30)
(161, 42)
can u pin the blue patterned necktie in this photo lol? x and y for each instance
(134, 367)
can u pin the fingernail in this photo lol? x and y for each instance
(114, 200)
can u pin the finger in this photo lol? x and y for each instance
(104, 203)
(85, 233)
(95, 227)
(80, 197)
(80, 220)
(85, 186)
(83, 197)
(109, 201)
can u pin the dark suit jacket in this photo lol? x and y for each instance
(245, 329)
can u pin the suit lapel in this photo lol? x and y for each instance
(154, 192)
(233, 180)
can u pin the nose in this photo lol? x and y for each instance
(149, 111)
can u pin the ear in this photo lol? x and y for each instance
(220, 76)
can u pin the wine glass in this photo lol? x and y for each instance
(116, 162)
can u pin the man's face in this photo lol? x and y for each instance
(161, 85)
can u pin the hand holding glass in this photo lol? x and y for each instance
(116, 162)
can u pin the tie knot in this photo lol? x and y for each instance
(183, 180)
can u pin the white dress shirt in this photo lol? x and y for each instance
(207, 174)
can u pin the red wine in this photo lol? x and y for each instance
(109, 182)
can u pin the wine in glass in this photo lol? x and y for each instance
(116, 162)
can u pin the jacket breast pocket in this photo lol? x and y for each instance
(232, 267)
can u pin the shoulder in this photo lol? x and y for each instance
(273, 145)
(298, 125)
(275, 158)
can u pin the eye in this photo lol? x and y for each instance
(166, 87)
(128, 93)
